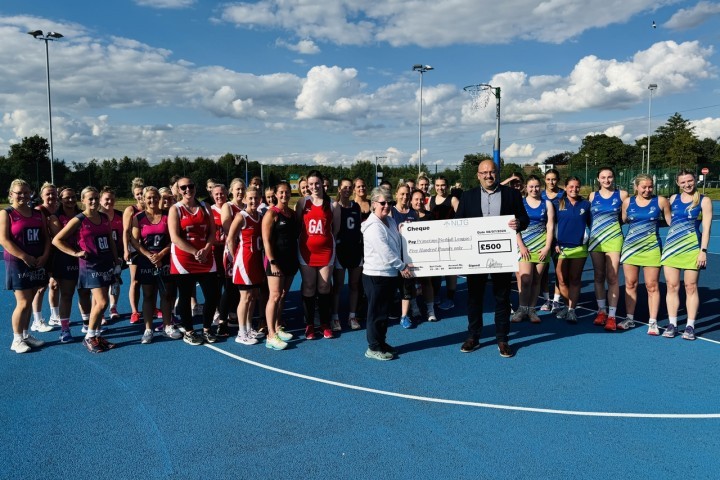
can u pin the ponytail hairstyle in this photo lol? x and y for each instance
(568, 180)
(696, 195)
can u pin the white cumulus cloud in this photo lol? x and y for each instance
(686, 18)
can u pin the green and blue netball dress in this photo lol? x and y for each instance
(535, 235)
(682, 244)
(605, 230)
(642, 244)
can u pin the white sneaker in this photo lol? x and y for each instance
(33, 342)
(255, 334)
(275, 343)
(19, 346)
(354, 324)
(40, 326)
(283, 335)
(147, 337)
(245, 339)
(54, 321)
(653, 329)
(335, 325)
(172, 332)
(432, 317)
(626, 325)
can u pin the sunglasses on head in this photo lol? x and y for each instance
(190, 186)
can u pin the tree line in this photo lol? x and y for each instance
(673, 145)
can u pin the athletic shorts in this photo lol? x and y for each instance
(573, 252)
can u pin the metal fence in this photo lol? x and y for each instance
(663, 179)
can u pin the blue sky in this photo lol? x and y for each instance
(329, 82)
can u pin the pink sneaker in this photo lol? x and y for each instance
(114, 315)
(135, 317)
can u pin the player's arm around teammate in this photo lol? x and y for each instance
(686, 249)
(573, 218)
(605, 244)
(642, 249)
(534, 243)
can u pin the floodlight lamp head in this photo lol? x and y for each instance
(417, 66)
(55, 35)
(652, 86)
(36, 33)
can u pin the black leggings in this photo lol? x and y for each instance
(186, 287)
(229, 299)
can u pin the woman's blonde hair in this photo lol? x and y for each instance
(18, 182)
(696, 195)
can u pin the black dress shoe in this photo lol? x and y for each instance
(505, 349)
(469, 345)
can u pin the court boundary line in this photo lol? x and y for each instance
(465, 403)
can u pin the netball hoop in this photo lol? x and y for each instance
(481, 94)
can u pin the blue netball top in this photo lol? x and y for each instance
(684, 232)
(555, 201)
(642, 235)
(572, 221)
(606, 216)
(535, 235)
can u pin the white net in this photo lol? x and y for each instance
(480, 95)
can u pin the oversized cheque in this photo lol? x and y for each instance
(460, 246)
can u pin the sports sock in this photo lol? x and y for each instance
(430, 306)
(673, 321)
(351, 315)
(37, 316)
(601, 305)
(690, 323)
(546, 296)
(17, 337)
(55, 312)
(612, 311)
(556, 297)
(65, 323)
(652, 320)
(630, 316)
(85, 318)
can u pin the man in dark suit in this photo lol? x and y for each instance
(491, 199)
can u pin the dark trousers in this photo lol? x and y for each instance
(229, 298)
(186, 286)
(476, 295)
(380, 292)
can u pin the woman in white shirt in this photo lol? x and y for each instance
(382, 263)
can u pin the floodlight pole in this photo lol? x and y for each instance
(420, 69)
(652, 87)
(377, 180)
(48, 37)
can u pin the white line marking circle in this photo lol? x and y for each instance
(466, 403)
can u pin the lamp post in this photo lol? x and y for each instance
(587, 155)
(48, 37)
(243, 158)
(642, 164)
(377, 179)
(420, 69)
(652, 87)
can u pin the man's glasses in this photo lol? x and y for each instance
(189, 186)
(486, 174)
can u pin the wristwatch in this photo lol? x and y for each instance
(704, 250)
(273, 262)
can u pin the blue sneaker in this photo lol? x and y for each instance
(689, 333)
(406, 322)
(65, 336)
(670, 331)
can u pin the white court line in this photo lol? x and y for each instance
(466, 403)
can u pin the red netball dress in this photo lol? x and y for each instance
(194, 228)
(248, 268)
(316, 243)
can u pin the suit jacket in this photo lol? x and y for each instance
(510, 204)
